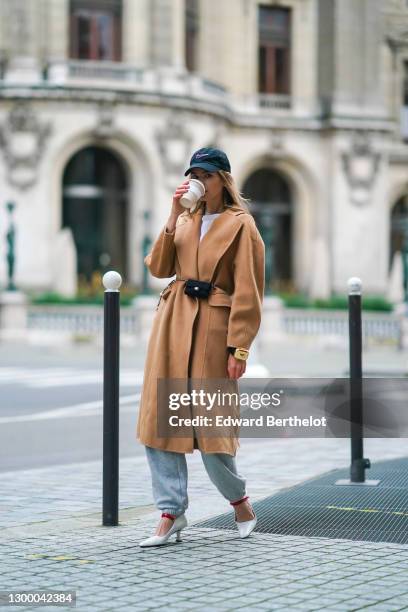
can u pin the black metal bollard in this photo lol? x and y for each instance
(358, 463)
(112, 281)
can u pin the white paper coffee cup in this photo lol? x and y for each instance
(196, 190)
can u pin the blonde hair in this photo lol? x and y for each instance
(231, 194)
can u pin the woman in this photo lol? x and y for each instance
(201, 337)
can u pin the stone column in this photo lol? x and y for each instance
(167, 33)
(358, 30)
(349, 41)
(57, 29)
(136, 32)
(23, 21)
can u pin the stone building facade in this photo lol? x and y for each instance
(102, 103)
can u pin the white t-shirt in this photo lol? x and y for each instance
(207, 219)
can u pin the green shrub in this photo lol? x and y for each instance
(376, 302)
(49, 298)
(290, 300)
(295, 300)
(335, 302)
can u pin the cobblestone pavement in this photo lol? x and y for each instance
(52, 538)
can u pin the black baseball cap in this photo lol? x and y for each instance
(209, 159)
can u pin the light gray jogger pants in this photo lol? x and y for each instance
(169, 478)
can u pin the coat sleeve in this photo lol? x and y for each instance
(249, 286)
(162, 257)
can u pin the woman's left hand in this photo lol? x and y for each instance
(236, 367)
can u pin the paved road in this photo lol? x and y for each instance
(53, 415)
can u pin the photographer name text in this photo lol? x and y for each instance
(260, 421)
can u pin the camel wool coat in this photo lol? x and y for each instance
(190, 335)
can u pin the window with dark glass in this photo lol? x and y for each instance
(191, 33)
(274, 26)
(96, 29)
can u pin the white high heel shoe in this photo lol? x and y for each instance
(180, 522)
(244, 527)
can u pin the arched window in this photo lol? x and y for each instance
(95, 208)
(399, 228)
(271, 206)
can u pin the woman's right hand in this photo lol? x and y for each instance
(177, 208)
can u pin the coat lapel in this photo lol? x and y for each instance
(199, 259)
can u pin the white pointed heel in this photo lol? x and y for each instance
(244, 527)
(180, 522)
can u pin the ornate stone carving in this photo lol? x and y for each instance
(105, 127)
(360, 165)
(22, 142)
(399, 39)
(220, 132)
(174, 142)
(396, 28)
(276, 143)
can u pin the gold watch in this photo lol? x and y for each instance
(241, 353)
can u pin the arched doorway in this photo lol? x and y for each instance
(399, 236)
(95, 208)
(271, 206)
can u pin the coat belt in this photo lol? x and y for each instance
(215, 289)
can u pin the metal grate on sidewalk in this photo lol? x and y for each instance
(319, 508)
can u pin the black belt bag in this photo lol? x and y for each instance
(197, 288)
